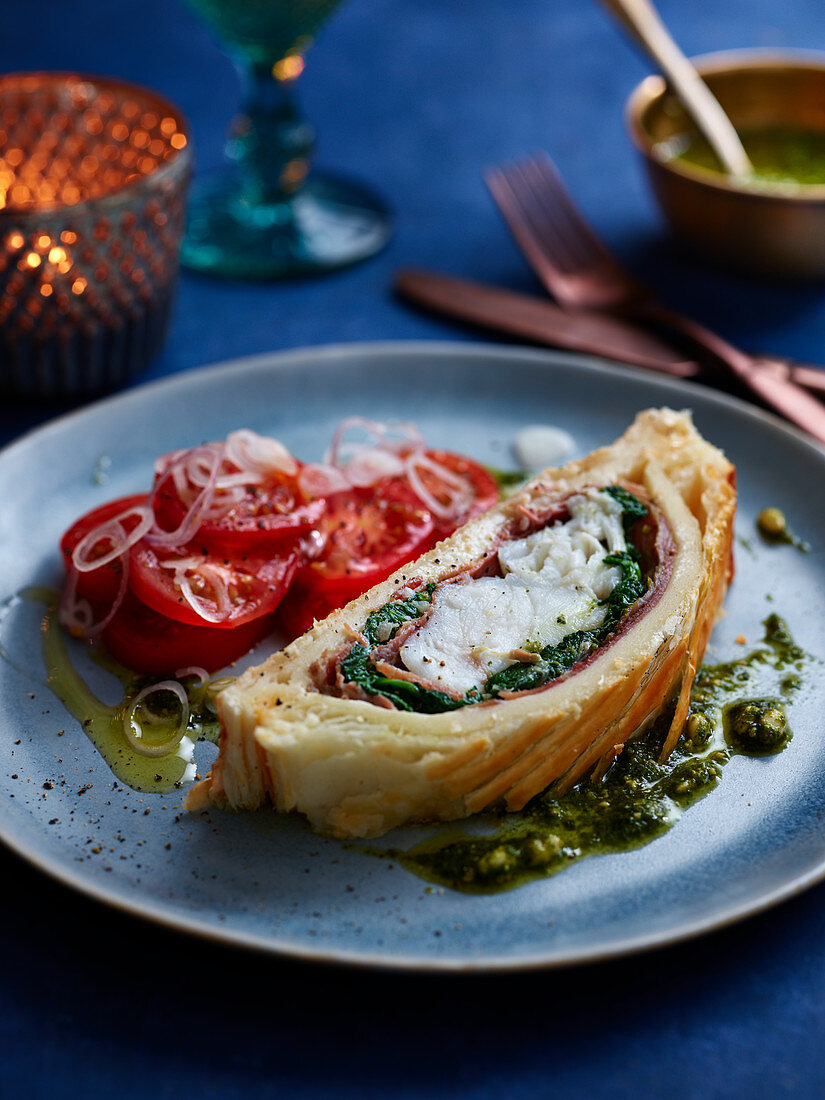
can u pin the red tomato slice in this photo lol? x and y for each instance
(368, 533)
(300, 608)
(145, 641)
(246, 587)
(482, 488)
(267, 514)
(366, 541)
(98, 585)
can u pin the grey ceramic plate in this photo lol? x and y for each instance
(267, 881)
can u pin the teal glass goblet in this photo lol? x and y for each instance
(263, 215)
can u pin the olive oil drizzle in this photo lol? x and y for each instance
(103, 723)
(737, 707)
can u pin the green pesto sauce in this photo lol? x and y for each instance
(104, 725)
(736, 708)
(508, 481)
(746, 545)
(772, 525)
(779, 154)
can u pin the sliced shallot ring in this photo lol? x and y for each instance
(116, 533)
(214, 576)
(76, 615)
(192, 470)
(222, 502)
(322, 480)
(370, 464)
(378, 432)
(121, 593)
(237, 479)
(163, 463)
(194, 517)
(249, 451)
(200, 674)
(133, 729)
(459, 502)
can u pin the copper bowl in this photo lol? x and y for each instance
(771, 229)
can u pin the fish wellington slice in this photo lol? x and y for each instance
(523, 651)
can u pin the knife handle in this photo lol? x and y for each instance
(542, 322)
(529, 318)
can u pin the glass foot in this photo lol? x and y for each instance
(327, 224)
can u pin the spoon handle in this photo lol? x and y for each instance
(642, 21)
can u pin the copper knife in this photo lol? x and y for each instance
(540, 321)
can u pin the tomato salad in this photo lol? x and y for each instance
(239, 537)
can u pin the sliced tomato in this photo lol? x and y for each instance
(98, 585)
(145, 641)
(367, 534)
(267, 514)
(301, 607)
(370, 533)
(249, 524)
(481, 487)
(238, 590)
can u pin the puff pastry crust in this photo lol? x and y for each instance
(356, 769)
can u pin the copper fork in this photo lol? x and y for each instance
(579, 272)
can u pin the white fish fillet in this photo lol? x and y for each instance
(552, 585)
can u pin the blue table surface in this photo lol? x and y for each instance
(417, 96)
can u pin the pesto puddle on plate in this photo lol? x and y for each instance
(737, 707)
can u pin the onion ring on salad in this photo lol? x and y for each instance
(134, 730)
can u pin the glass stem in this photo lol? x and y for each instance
(269, 140)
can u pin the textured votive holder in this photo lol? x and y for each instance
(93, 179)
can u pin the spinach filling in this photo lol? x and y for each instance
(382, 625)
(632, 507)
(558, 659)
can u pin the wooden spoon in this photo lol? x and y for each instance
(641, 20)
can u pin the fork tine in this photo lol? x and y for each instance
(548, 183)
(506, 193)
(560, 240)
(554, 237)
(553, 255)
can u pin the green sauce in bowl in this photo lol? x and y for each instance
(780, 154)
